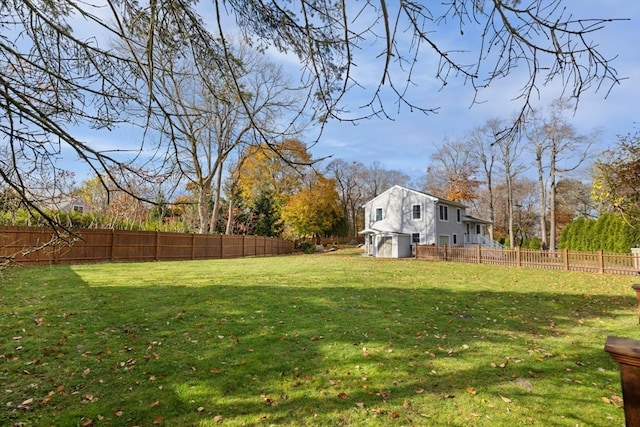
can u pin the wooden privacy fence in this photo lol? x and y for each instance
(597, 262)
(100, 245)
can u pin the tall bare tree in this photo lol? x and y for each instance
(558, 149)
(482, 141)
(204, 119)
(350, 179)
(509, 149)
(453, 171)
(379, 179)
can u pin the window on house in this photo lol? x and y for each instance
(444, 213)
(416, 211)
(78, 209)
(378, 214)
(458, 215)
(415, 238)
(455, 239)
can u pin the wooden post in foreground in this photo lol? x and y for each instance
(636, 288)
(627, 353)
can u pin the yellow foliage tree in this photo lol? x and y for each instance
(314, 210)
(274, 167)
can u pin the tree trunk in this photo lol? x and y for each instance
(216, 202)
(492, 215)
(510, 211)
(543, 199)
(552, 198)
(227, 231)
(202, 209)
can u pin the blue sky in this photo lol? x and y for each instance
(407, 141)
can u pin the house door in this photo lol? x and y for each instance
(384, 246)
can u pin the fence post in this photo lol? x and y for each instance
(157, 251)
(518, 257)
(193, 246)
(479, 254)
(565, 258)
(222, 246)
(113, 238)
(601, 261)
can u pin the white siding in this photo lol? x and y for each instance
(398, 225)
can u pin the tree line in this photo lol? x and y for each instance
(533, 184)
(264, 193)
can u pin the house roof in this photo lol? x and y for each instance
(437, 199)
(382, 227)
(469, 218)
(376, 231)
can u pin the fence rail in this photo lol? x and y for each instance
(100, 245)
(597, 262)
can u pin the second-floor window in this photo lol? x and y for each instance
(415, 212)
(444, 213)
(458, 215)
(378, 214)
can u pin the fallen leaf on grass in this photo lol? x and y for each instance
(471, 390)
(505, 399)
(86, 372)
(614, 400)
(25, 404)
(395, 415)
(155, 404)
(217, 418)
(216, 370)
(384, 395)
(268, 400)
(360, 404)
(87, 422)
(158, 420)
(342, 395)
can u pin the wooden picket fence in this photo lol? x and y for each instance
(101, 245)
(596, 262)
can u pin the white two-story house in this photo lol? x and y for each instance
(399, 218)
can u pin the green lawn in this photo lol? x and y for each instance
(325, 339)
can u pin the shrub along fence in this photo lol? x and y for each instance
(101, 245)
(597, 261)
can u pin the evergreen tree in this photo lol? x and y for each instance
(266, 210)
